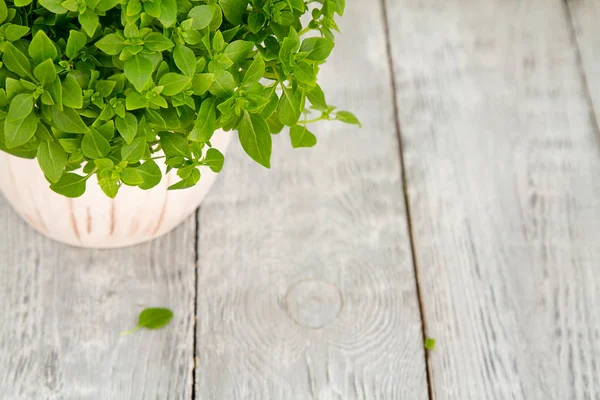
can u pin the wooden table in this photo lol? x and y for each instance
(467, 209)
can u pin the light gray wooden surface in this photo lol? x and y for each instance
(502, 165)
(304, 286)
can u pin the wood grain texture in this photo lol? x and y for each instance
(63, 308)
(584, 16)
(502, 166)
(306, 287)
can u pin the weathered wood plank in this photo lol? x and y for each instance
(63, 309)
(306, 287)
(502, 167)
(584, 16)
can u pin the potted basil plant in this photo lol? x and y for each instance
(115, 114)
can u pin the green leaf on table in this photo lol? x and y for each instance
(138, 71)
(289, 106)
(204, 127)
(429, 343)
(45, 72)
(75, 43)
(150, 173)
(302, 137)
(157, 42)
(185, 60)
(52, 159)
(16, 61)
(68, 121)
(173, 83)
(214, 159)
(111, 44)
(94, 145)
(41, 48)
(255, 138)
(127, 127)
(70, 185)
(152, 318)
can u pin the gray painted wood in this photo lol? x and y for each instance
(502, 165)
(306, 287)
(63, 308)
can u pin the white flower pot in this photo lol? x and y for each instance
(94, 220)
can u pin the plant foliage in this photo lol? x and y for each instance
(110, 87)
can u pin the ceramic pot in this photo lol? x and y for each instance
(94, 220)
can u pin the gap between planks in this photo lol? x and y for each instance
(581, 69)
(403, 177)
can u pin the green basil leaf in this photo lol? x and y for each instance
(214, 160)
(185, 60)
(175, 144)
(70, 185)
(111, 44)
(45, 72)
(347, 117)
(157, 42)
(201, 16)
(155, 318)
(255, 138)
(14, 32)
(302, 137)
(168, 13)
(89, 22)
(52, 159)
(204, 127)
(75, 43)
(68, 121)
(289, 106)
(150, 173)
(94, 145)
(138, 71)
(317, 98)
(16, 61)
(110, 186)
(42, 48)
(20, 107)
(174, 83)
(234, 10)
(55, 90)
(238, 51)
(53, 6)
(127, 127)
(255, 71)
(135, 101)
(188, 182)
(305, 73)
(72, 93)
(224, 85)
(318, 48)
(134, 152)
(3, 11)
(201, 83)
(131, 177)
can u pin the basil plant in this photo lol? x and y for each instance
(113, 87)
